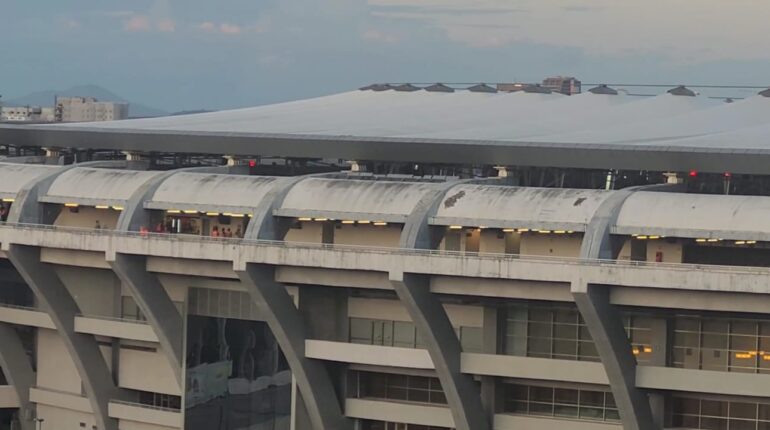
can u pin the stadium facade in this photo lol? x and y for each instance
(493, 292)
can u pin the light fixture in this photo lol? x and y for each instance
(560, 231)
(237, 215)
(482, 227)
(190, 212)
(508, 230)
(653, 237)
(71, 205)
(174, 211)
(118, 208)
(740, 242)
(348, 221)
(751, 242)
(380, 223)
(570, 231)
(523, 230)
(647, 349)
(102, 206)
(321, 219)
(212, 213)
(8, 200)
(713, 240)
(455, 227)
(305, 219)
(700, 240)
(544, 231)
(641, 237)
(364, 221)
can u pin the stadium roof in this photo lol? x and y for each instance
(673, 131)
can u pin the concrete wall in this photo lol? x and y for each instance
(311, 232)
(55, 369)
(393, 310)
(95, 291)
(368, 235)
(87, 216)
(552, 245)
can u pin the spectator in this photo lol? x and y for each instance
(215, 231)
(98, 226)
(238, 232)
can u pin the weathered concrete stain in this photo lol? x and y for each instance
(452, 200)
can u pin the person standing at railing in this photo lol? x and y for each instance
(98, 225)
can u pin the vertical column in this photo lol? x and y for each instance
(288, 327)
(18, 371)
(490, 345)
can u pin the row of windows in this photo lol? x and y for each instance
(694, 413)
(404, 334)
(381, 425)
(560, 333)
(722, 345)
(410, 388)
(560, 402)
(159, 400)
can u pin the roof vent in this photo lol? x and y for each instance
(439, 88)
(537, 89)
(377, 87)
(603, 89)
(682, 91)
(406, 88)
(765, 93)
(482, 88)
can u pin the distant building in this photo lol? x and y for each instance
(88, 109)
(511, 87)
(562, 84)
(26, 114)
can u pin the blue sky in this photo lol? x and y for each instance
(188, 54)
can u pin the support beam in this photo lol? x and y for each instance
(288, 327)
(18, 372)
(155, 303)
(431, 320)
(604, 320)
(83, 349)
(148, 293)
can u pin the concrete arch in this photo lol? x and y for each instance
(431, 320)
(285, 320)
(145, 288)
(605, 322)
(58, 302)
(18, 371)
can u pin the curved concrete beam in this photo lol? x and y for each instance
(145, 288)
(288, 327)
(83, 349)
(18, 371)
(58, 302)
(285, 320)
(431, 320)
(605, 322)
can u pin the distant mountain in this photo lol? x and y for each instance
(46, 98)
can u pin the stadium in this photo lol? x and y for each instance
(395, 257)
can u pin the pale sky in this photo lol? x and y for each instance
(188, 54)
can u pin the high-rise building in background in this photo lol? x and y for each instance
(88, 109)
(562, 84)
(26, 114)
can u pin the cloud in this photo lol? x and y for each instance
(674, 29)
(137, 23)
(166, 26)
(208, 27)
(226, 28)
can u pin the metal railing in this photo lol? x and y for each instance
(115, 319)
(145, 406)
(180, 237)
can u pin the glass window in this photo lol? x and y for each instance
(360, 331)
(559, 402)
(471, 339)
(421, 389)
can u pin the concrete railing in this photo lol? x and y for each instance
(382, 259)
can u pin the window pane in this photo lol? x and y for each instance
(743, 410)
(360, 331)
(566, 396)
(403, 334)
(471, 339)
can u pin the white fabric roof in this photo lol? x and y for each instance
(519, 207)
(14, 176)
(208, 192)
(90, 186)
(695, 216)
(371, 200)
(515, 117)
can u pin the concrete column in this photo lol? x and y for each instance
(431, 320)
(661, 338)
(285, 321)
(156, 305)
(18, 371)
(433, 324)
(604, 321)
(491, 345)
(83, 349)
